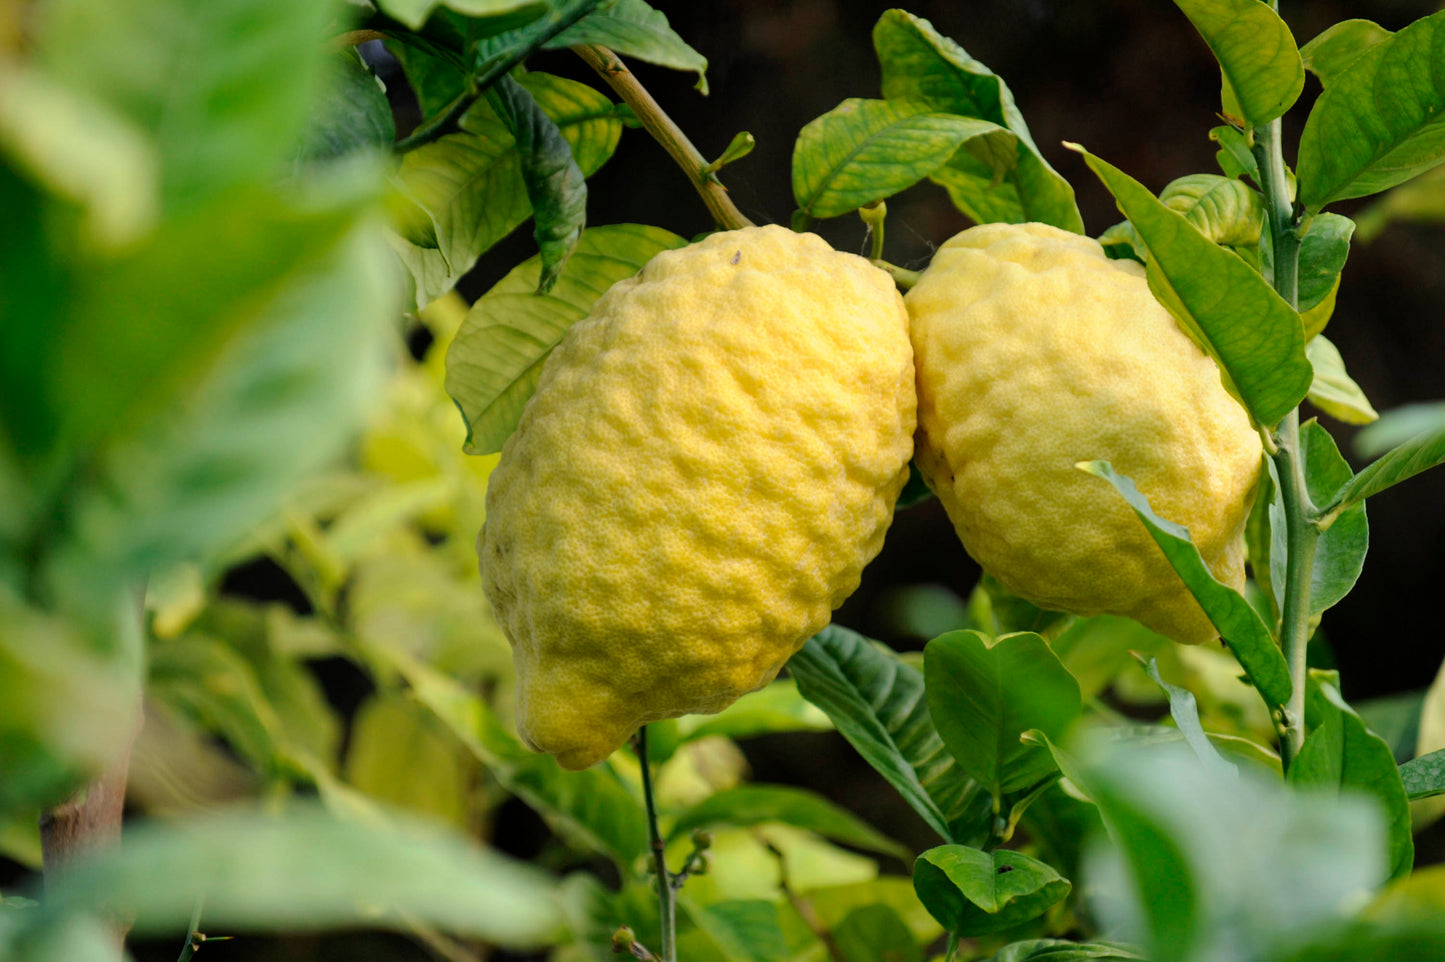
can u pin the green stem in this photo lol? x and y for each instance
(666, 902)
(662, 128)
(1301, 532)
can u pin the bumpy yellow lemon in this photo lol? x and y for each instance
(1036, 351)
(710, 459)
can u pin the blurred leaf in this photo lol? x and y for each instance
(833, 904)
(414, 13)
(875, 933)
(1185, 712)
(210, 682)
(592, 807)
(1204, 867)
(1059, 950)
(1422, 448)
(305, 871)
(217, 120)
(400, 755)
(771, 710)
(1323, 249)
(1332, 50)
(1424, 776)
(351, 116)
(878, 704)
(756, 804)
(1378, 122)
(1421, 200)
(1256, 52)
(972, 892)
(1333, 391)
(745, 930)
(1340, 550)
(983, 694)
(53, 937)
(995, 610)
(1396, 719)
(634, 29)
(923, 66)
(1340, 753)
(471, 181)
(1096, 649)
(863, 151)
(1229, 310)
(556, 186)
(496, 360)
(1224, 209)
(20, 837)
(1239, 624)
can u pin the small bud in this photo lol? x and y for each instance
(702, 840)
(623, 940)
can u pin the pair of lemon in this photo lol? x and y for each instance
(714, 454)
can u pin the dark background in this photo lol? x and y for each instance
(1132, 82)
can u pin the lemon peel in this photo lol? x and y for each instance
(1035, 351)
(710, 459)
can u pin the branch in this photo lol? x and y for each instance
(665, 132)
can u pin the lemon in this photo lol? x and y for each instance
(709, 460)
(1036, 351)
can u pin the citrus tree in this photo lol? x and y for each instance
(232, 337)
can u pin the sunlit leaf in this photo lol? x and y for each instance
(414, 13)
(634, 29)
(1224, 209)
(1329, 53)
(1256, 52)
(756, 804)
(972, 892)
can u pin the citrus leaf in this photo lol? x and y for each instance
(743, 930)
(972, 892)
(1340, 549)
(1340, 753)
(472, 184)
(1255, 51)
(1234, 156)
(1060, 950)
(1422, 451)
(1323, 249)
(496, 359)
(1424, 777)
(304, 871)
(757, 804)
(556, 186)
(399, 754)
(414, 13)
(1233, 313)
(1223, 209)
(876, 932)
(982, 695)
(352, 116)
(1380, 121)
(922, 66)
(1232, 615)
(635, 29)
(877, 702)
(1185, 712)
(1329, 53)
(777, 708)
(866, 150)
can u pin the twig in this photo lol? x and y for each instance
(657, 123)
(666, 902)
(803, 907)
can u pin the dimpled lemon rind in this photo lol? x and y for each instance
(708, 462)
(1036, 351)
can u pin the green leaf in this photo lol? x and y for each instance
(352, 115)
(400, 754)
(1256, 52)
(592, 808)
(1329, 53)
(471, 182)
(217, 119)
(757, 804)
(305, 871)
(1223, 209)
(1210, 867)
(1421, 200)
(746, 930)
(1340, 550)
(1234, 156)
(1185, 712)
(972, 892)
(876, 932)
(920, 65)
(556, 186)
(1230, 310)
(1379, 122)
(983, 694)
(863, 151)
(1096, 649)
(777, 708)
(1059, 950)
(1341, 753)
(1424, 777)
(495, 361)
(877, 702)
(1422, 451)
(414, 13)
(1323, 249)
(1396, 719)
(634, 29)
(1239, 624)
